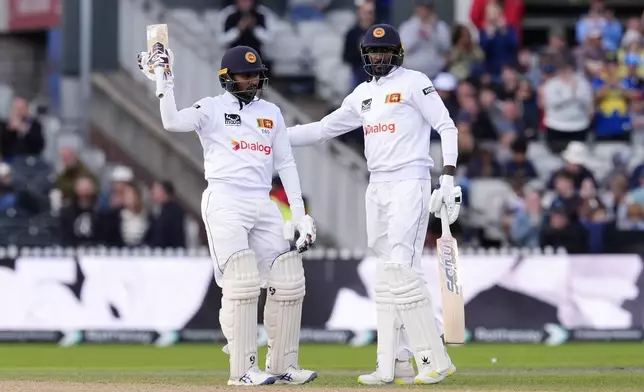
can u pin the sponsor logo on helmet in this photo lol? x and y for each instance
(393, 98)
(379, 32)
(379, 128)
(250, 57)
(224, 71)
(252, 146)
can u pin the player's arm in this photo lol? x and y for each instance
(342, 120)
(431, 106)
(433, 110)
(185, 120)
(285, 166)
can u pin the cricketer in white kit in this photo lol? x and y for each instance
(244, 138)
(397, 109)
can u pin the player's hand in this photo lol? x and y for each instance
(148, 62)
(448, 195)
(307, 233)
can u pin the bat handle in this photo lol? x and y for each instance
(158, 74)
(445, 221)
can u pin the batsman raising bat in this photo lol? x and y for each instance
(244, 138)
(397, 110)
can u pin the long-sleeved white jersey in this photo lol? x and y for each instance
(241, 145)
(397, 113)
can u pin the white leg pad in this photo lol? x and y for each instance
(283, 312)
(388, 327)
(413, 303)
(238, 315)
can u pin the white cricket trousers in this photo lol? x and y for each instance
(397, 220)
(234, 224)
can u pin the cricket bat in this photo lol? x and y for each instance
(451, 288)
(157, 35)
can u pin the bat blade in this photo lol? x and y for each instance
(157, 40)
(451, 290)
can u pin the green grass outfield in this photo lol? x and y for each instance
(572, 367)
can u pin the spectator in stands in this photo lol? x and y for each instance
(72, 169)
(519, 165)
(563, 231)
(22, 135)
(526, 98)
(128, 225)
(595, 218)
(620, 160)
(366, 16)
(566, 196)
(114, 197)
(508, 123)
(526, 222)
(499, 42)
(427, 40)
(167, 227)
(575, 157)
(484, 164)
(513, 11)
(466, 58)
(567, 101)
(528, 66)
(603, 20)
(591, 54)
(482, 126)
(78, 222)
(613, 95)
(631, 214)
(8, 198)
(508, 83)
(307, 9)
(632, 48)
(616, 196)
(247, 23)
(636, 176)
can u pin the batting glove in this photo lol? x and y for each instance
(148, 62)
(448, 195)
(307, 233)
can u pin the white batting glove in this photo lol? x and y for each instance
(147, 63)
(307, 230)
(448, 195)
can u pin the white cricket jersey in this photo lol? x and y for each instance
(241, 145)
(397, 113)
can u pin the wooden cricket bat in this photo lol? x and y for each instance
(451, 288)
(157, 36)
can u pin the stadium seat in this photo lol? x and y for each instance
(487, 202)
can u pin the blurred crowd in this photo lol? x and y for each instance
(66, 202)
(570, 95)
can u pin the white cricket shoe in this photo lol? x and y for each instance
(254, 376)
(295, 376)
(429, 375)
(403, 374)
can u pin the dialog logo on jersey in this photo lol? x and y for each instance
(379, 128)
(252, 146)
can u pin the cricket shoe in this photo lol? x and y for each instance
(254, 376)
(428, 375)
(403, 374)
(295, 376)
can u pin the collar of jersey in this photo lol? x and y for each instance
(231, 99)
(390, 75)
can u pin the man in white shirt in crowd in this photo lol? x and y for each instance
(244, 138)
(397, 109)
(427, 40)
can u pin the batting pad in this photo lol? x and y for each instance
(387, 324)
(415, 311)
(238, 315)
(283, 312)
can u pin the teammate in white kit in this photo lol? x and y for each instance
(397, 109)
(244, 138)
